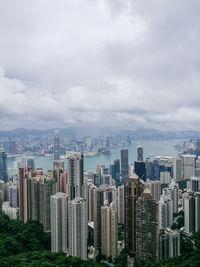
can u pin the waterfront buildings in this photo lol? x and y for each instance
(140, 169)
(139, 153)
(56, 145)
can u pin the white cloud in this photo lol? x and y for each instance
(113, 63)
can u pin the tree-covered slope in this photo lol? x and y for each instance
(27, 245)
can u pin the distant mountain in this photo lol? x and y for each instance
(147, 134)
(156, 134)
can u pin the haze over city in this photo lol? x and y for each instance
(108, 63)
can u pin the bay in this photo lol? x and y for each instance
(157, 148)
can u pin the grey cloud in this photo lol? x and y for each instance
(126, 64)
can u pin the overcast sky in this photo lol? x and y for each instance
(120, 63)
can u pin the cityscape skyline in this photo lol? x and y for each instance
(145, 209)
(99, 133)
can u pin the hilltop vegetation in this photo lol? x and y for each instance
(27, 245)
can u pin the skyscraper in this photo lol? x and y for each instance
(38, 190)
(13, 196)
(140, 169)
(34, 196)
(147, 246)
(124, 165)
(30, 162)
(132, 191)
(173, 194)
(155, 189)
(3, 165)
(195, 184)
(59, 225)
(75, 176)
(91, 188)
(117, 170)
(98, 203)
(177, 169)
(78, 228)
(120, 191)
(169, 244)
(165, 212)
(57, 171)
(77, 207)
(22, 184)
(192, 213)
(188, 166)
(63, 182)
(109, 231)
(47, 187)
(2, 191)
(56, 145)
(139, 153)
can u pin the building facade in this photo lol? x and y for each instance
(59, 222)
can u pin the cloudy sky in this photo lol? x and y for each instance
(124, 64)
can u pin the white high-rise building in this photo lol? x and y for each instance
(78, 227)
(177, 169)
(165, 212)
(173, 192)
(59, 225)
(155, 190)
(189, 214)
(109, 231)
(188, 166)
(192, 213)
(165, 177)
(13, 213)
(169, 244)
(154, 187)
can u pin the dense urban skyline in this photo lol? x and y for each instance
(142, 211)
(117, 63)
